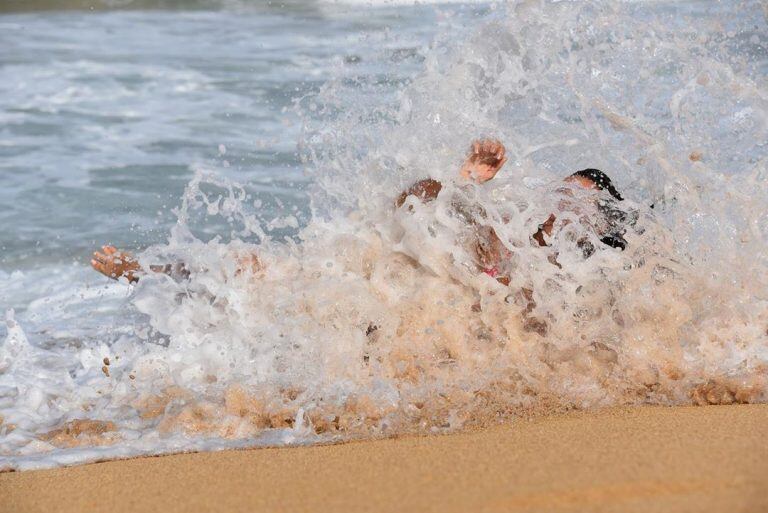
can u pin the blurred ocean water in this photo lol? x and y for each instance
(103, 116)
(212, 131)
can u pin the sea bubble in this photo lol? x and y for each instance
(375, 320)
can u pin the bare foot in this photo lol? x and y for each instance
(114, 264)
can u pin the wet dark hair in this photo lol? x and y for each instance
(615, 241)
(601, 181)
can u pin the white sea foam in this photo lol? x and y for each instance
(376, 321)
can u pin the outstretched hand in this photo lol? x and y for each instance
(485, 159)
(488, 151)
(114, 263)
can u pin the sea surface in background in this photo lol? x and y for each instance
(105, 115)
(263, 146)
(104, 118)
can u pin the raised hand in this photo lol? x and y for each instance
(488, 151)
(114, 264)
(485, 159)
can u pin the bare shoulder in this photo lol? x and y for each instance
(426, 190)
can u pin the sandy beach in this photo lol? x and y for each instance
(480, 229)
(650, 459)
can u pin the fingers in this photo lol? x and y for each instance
(103, 268)
(99, 267)
(488, 147)
(496, 148)
(110, 257)
(109, 263)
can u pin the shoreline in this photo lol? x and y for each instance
(645, 459)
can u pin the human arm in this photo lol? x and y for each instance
(484, 160)
(115, 264)
(426, 190)
(544, 229)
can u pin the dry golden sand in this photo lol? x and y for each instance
(698, 459)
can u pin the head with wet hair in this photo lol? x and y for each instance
(598, 179)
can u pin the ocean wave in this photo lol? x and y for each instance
(375, 320)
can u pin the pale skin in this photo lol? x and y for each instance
(547, 226)
(484, 160)
(115, 264)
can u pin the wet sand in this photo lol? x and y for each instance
(653, 459)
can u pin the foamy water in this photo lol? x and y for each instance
(339, 316)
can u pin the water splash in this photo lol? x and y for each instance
(373, 320)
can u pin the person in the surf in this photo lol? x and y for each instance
(484, 161)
